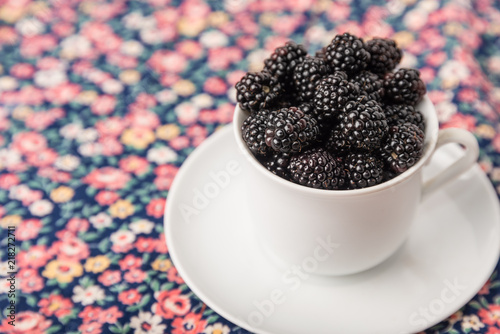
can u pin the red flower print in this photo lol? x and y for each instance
(163, 61)
(27, 142)
(161, 245)
(34, 46)
(146, 100)
(90, 313)
(191, 323)
(111, 126)
(173, 276)
(144, 244)
(143, 119)
(166, 170)
(215, 86)
(54, 175)
(29, 280)
(103, 105)
(95, 30)
(22, 70)
(490, 316)
(39, 120)
(77, 225)
(493, 330)
(26, 322)
(162, 182)
(90, 328)
(135, 276)
(31, 196)
(35, 257)
(8, 180)
(106, 197)
(110, 277)
(63, 93)
(42, 158)
(129, 262)
(118, 59)
(110, 315)
(467, 122)
(28, 229)
(55, 305)
(110, 146)
(171, 303)
(486, 288)
(129, 297)
(107, 177)
(63, 29)
(134, 164)
(70, 249)
(156, 207)
(225, 113)
(189, 48)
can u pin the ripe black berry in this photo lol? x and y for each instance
(254, 130)
(403, 147)
(291, 130)
(385, 55)
(369, 84)
(283, 60)
(317, 168)
(258, 90)
(347, 53)
(404, 87)
(363, 170)
(397, 114)
(307, 75)
(333, 92)
(277, 164)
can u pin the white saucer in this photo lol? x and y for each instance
(452, 250)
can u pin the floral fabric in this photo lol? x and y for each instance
(101, 102)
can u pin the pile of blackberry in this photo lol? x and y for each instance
(344, 118)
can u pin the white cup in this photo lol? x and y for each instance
(363, 226)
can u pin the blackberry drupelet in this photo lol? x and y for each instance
(363, 170)
(403, 147)
(347, 53)
(258, 90)
(362, 126)
(307, 75)
(333, 92)
(385, 55)
(397, 114)
(290, 130)
(277, 164)
(404, 87)
(254, 131)
(317, 168)
(369, 84)
(283, 60)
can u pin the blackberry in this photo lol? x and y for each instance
(317, 168)
(290, 130)
(363, 170)
(385, 55)
(307, 75)
(283, 60)
(369, 84)
(326, 120)
(254, 130)
(397, 114)
(333, 92)
(403, 147)
(257, 90)
(362, 126)
(404, 86)
(347, 53)
(277, 164)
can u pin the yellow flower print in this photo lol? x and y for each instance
(218, 18)
(161, 265)
(130, 77)
(12, 220)
(168, 131)
(22, 112)
(188, 27)
(138, 138)
(184, 88)
(403, 39)
(63, 271)
(121, 209)
(62, 194)
(97, 264)
(86, 97)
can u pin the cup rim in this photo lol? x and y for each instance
(431, 136)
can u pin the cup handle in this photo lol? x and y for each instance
(464, 138)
